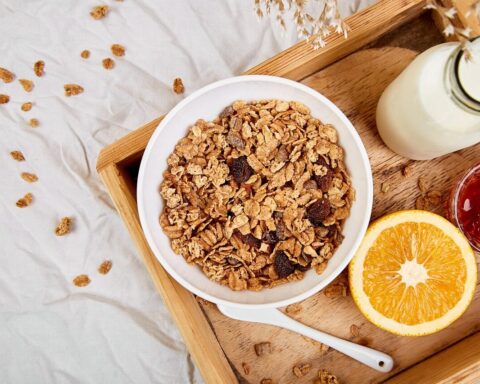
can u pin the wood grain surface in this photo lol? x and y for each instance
(354, 84)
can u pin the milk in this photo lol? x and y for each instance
(433, 107)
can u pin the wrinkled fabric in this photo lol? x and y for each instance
(115, 330)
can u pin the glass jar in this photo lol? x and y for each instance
(463, 207)
(433, 107)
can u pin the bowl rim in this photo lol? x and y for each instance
(198, 93)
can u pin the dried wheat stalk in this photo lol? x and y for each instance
(316, 28)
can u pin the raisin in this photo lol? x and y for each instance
(240, 170)
(270, 237)
(324, 182)
(283, 266)
(251, 240)
(318, 212)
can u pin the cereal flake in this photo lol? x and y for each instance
(4, 99)
(72, 89)
(25, 201)
(118, 50)
(33, 122)
(27, 106)
(26, 84)
(108, 63)
(63, 227)
(17, 155)
(6, 75)
(29, 177)
(178, 86)
(39, 68)
(99, 12)
(81, 281)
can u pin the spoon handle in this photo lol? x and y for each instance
(368, 356)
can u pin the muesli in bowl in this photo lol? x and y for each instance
(257, 196)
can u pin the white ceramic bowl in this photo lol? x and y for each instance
(207, 103)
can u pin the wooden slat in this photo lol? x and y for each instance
(129, 145)
(185, 310)
(302, 60)
(459, 364)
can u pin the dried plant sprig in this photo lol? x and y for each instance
(314, 29)
(447, 14)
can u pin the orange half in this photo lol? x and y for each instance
(414, 273)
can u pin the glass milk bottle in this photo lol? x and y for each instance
(433, 107)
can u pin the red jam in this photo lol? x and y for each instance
(467, 206)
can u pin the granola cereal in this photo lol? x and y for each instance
(63, 227)
(72, 89)
(354, 330)
(99, 12)
(118, 50)
(336, 290)
(385, 187)
(407, 170)
(293, 309)
(301, 370)
(25, 201)
(421, 203)
(39, 68)
(33, 123)
(258, 195)
(26, 84)
(29, 177)
(17, 155)
(263, 348)
(85, 54)
(27, 106)
(178, 86)
(422, 184)
(4, 99)
(81, 280)
(108, 63)
(6, 75)
(105, 267)
(246, 368)
(325, 377)
(434, 197)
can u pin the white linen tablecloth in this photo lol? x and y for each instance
(115, 330)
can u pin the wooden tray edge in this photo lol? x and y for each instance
(454, 364)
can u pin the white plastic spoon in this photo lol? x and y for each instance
(368, 356)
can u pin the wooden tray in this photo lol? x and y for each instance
(352, 73)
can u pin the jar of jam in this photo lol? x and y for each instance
(464, 205)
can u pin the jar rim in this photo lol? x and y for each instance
(458, 89)
(454, 199)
